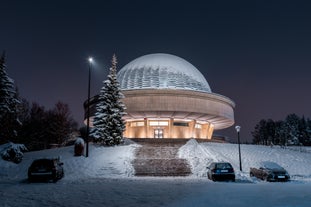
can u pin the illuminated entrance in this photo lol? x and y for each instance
(158, 133)
(168, 128)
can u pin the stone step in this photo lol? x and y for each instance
(161, 167)
(161, 142)
(146, 152)
(158, 157)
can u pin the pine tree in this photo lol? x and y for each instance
(108, 122)
(9, 104)
(260, 135)
(292, 129)
(303, 134)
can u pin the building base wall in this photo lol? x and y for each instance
(168, 128)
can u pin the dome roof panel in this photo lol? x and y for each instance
(161, 71)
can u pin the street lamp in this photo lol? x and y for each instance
(90, 60)
(237, 128)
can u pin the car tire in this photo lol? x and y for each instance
(55, 180)
(213, 178)
(30, 180)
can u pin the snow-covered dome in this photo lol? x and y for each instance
(161, 71)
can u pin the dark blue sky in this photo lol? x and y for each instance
(257, 53)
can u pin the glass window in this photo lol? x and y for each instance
(198, 126)
(137, 124)
(181, 124)
(158, 123)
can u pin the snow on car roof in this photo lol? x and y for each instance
(270, 165)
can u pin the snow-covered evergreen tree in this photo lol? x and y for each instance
(291, 127)
(108, 122)
(9, 104)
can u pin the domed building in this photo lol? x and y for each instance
(167, 97)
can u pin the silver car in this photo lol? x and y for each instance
(270, 171)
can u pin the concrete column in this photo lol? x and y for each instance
(192, 129)
(170, 128)
(210, 131)
(204, 131)
(145, 127)
(126, 133)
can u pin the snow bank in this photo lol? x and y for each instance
(115, 162)
(199, 155)
(103, 162)
(87, 180)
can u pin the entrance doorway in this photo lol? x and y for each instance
(158, 133)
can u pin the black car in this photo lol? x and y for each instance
(220, 171)
(270, 171)
(46, 169)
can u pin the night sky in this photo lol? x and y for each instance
(258, 53)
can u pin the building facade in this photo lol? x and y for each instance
(167, 97)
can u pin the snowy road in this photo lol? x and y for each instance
(153, 192)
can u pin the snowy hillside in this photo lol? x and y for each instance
(296, 161)
(102, 162)
(115, 162)
(106, 178)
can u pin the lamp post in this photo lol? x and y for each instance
(90, 60)
(237, 128)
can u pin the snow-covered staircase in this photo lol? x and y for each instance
(158, 157)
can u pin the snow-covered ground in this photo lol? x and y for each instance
(103, 162)
(106, 178)
(297, 161)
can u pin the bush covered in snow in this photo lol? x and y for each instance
(12, 152)
(79, 146)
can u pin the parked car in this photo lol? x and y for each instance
(270, 171)
(220, 171)
(46, 169)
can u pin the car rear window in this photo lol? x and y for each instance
(43, 162)
(223, 166)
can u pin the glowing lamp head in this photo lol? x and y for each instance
(237, 128)
(90, 59)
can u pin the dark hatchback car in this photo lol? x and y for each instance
(221, 171)
(46, 169)
(270, 171)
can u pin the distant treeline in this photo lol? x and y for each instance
(43, 129)
(294, 130)
(32, 125)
